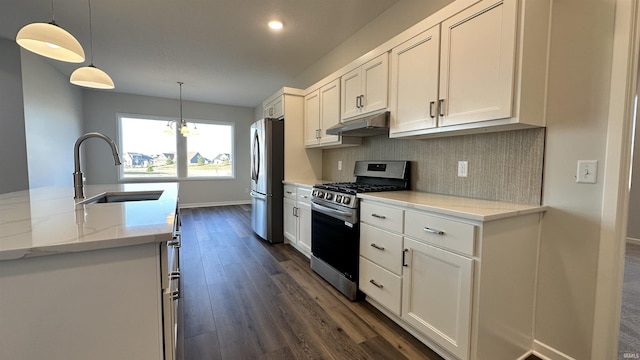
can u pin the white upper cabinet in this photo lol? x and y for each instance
(274, 108)
(483, 68)
(366, 88)
(322, 111)
(312, 118)
(477, 64)
(329, 111)
(414, 75)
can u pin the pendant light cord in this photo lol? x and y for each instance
(90, 35)
(181, 120)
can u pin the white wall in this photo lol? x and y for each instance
(53, 121)
(633, 228)
(101, 109)
(13, 162)
(581, 51)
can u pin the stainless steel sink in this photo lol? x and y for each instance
(122, 196)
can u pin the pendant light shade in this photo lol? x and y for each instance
(50, 40)
(91, 76)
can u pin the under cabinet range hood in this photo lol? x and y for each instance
(376, 124)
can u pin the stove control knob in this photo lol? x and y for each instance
(320, 194)
(346, 200)
(338, 198)
(328, 196)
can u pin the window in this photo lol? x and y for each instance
(151, 149)
(209, 150)
(146, 151)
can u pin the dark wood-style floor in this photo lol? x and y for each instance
(243, 298)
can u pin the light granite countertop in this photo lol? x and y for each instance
(47, 221)
(304, 182)
(467, 208)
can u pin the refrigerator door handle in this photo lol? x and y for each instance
(258, 195)
(255, 164)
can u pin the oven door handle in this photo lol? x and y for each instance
(329, 211)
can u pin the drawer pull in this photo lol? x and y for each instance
(379, 286)
(290, 192)
(378, 216)
(377, 247)
(305, 196)
(433, 231)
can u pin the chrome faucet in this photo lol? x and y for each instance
(78, 183)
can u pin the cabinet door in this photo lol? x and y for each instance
(351, 84)
(311, 118)
(436, 295)
(304, 228)
(375, 84)
(290, 221)
(414, 83)
(477, 63)
(329, 110)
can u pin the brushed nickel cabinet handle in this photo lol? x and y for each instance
(377, 247)
(404, 252)
(379, 216)
(433, 231)
(379, 286)
(441, 107)
(432, 106)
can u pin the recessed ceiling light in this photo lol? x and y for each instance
(275, 25)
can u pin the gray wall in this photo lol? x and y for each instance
(13, 162)
(399, 17)
(633, 227)
(101, 109)
(53, 121)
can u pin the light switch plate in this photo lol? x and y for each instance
(587, 171)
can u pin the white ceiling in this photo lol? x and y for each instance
(221, 49)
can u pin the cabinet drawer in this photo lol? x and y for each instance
(304, 197)
(290, 191)
(381, 247)
(382, 216)
(445, 233)
(381, 285)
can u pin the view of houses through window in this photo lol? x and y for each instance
(150, 149)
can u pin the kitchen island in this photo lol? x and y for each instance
(92, 281)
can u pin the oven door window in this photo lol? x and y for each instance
(336, 242)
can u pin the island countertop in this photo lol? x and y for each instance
(47, 221)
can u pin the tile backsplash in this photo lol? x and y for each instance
(504, 166)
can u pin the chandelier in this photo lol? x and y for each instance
(180, 124)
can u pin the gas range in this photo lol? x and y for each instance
(371, 176)
(335, 227)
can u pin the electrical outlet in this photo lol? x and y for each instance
(463, 168)
(340, 165)
(587, 171)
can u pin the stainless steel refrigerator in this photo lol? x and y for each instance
(267, 173)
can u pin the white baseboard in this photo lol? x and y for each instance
(221, 203)
(546, 352)
(633, 241)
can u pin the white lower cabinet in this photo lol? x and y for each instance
(463, 287)
(436, 295)
(297, 217)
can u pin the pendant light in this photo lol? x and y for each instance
(90, 76)
(50, 40)
(180, 124)
(184, 130)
